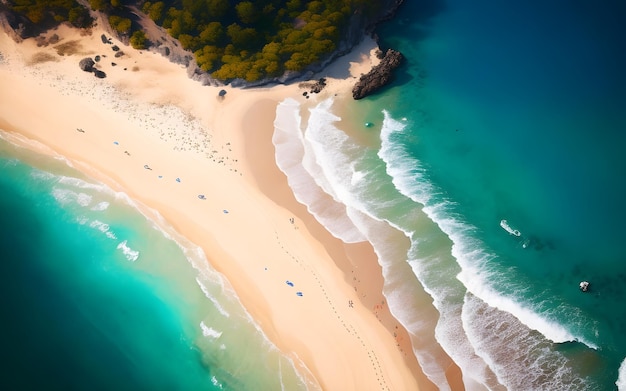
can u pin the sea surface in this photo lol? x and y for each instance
(96, 296)
(491, 179)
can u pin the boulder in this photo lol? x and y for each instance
(99, 74)
(86, 64)
(379, 76)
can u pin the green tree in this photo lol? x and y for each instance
(246, 12)
(120, 24)
(186, 41)
(207, 57)
(212, 33)
(156, 11)
(218, 8)
(138, 40)
(79, 17)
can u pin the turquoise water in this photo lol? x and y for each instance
(96, 296)
(503, 111)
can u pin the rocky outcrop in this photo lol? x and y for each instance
(86, 64)
(379, 76)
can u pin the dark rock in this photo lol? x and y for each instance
(379, 76)
(113, 64)
(318, 86)
(119, 54)
(104, 39)
(86, 64)
(115, 48)
(99, 74)
(54, 39)
(96, 58)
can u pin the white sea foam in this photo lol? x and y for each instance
(503, 341)
(129, 253)
(209, 296)
(290, 152)
(100, 206)
(39, 175)
(216, 382)
(79, 183)
(67, 197)
(103, 227)
(209, 331)
(621, 379)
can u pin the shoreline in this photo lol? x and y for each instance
(214, 147)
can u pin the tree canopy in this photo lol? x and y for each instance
(257, 39)
(46, 13)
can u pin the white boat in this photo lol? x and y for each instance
(505, 225)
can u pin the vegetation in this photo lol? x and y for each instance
(46, 13)
(257, 39)
(229, 38)
(138, 40)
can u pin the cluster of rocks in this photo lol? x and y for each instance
(313, 87)
(87, 64)
(115, 48)
(379, 76)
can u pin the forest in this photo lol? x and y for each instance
(250, 40)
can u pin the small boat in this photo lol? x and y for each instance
(505, 225)
(584, 286)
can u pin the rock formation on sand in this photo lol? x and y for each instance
(379, 76)
(87, 65)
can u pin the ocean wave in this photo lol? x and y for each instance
(104, 228)
(621, 379)
(472, 262)
(129, 253)
(503, 341)
(213, 300)
(466, 249)
(66, 197)
(305, 182)
(330, 157)
(79, 183)
(209, 331)
(101, 206)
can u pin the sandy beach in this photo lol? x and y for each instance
(205, 164)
